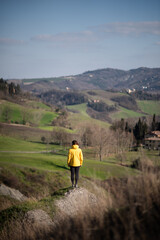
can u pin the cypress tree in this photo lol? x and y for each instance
(140, 130)
(154, 123)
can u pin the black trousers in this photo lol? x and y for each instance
(74, 174)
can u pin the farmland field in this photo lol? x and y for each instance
(80, 116)
(150, 107)
(34, 112)
(92, 167)
(125, 113)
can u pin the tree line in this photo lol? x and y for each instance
(140, 129)
(9, 88)
(61, 98)
(103, 142)
(142, 95)
(101, 106)
(128, 102)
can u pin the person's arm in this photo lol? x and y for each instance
(69, 158)
(81, 158)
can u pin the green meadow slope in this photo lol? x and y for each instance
(149, 107)
(32, 112)
(144, 107)
(79, 116)
(13, 152)
(35, 114)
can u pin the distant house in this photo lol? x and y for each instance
(152, 140)
(130, 90)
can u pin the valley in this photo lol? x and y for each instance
(36, 130)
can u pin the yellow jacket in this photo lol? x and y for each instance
(75, 156)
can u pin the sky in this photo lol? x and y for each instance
(52, 38)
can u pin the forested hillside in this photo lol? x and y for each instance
(107, 78)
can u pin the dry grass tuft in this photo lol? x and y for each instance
(18, 230)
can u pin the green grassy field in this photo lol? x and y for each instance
(14, 144)
(125, 113)
(82, 117)
(150, 107)
(33, 112)
(47, 118)
(36, 104)
(55, 162)
(43, 115)
(15, 111)
(147, 107)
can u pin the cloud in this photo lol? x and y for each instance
(9, 41)
(68, 37)
(100, 32)
(127, 28)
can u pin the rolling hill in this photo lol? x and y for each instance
(107, 78)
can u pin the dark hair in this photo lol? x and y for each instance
(74, 142)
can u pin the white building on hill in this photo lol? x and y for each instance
(152, 140)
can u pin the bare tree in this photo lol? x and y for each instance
(122, 140)
(101, 139)
(106, 141)
(61, 137)
(87, 136)
(61, 120)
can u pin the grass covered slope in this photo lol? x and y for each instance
(79, 116)
(149, 107)
(36, 113)
(32, 112)
(56, 161)
(15, 144)
(125, 113)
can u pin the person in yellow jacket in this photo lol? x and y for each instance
(74, 161)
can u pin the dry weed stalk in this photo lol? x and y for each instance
(17, 230)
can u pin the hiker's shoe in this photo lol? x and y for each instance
(72, 185)
(76, 186)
